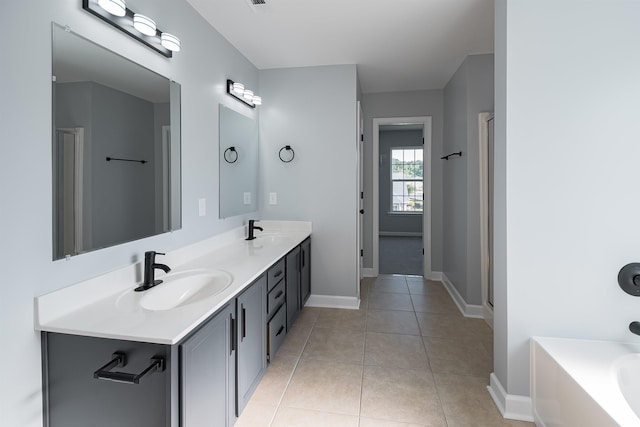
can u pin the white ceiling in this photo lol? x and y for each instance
(397, 44)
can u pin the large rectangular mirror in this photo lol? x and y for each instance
(116, 148)
(238, 163)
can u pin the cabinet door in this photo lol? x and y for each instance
(74, 397)
(293, 286)
(252, 341)
(208, 373)
(305, 271)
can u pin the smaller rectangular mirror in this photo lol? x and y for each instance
(238, 163)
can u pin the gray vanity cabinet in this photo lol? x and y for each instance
(293, 286)
(206, 379)
(208, 366)
(73, 396)
(252, 345)
(305, 271)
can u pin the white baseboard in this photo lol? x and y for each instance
(511, 406)
(368, 272)
(401, 233)
(434, 275)
(488, 315)
(467, 310)
(328, 301)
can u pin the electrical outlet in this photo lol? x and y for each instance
(202, 207)
(247, 198)
(273, 198)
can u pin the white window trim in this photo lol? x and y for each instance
(391, 180)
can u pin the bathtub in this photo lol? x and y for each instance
(583, 383)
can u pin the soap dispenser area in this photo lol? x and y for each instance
(188, 351)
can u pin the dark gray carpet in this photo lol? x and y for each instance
(400, 255)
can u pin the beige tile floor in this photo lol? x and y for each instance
(406, 358)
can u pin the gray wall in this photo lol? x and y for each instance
(567, 176)
(405, 104)
(468, 93)
(202, 67)
(396, 223)
(119, 211)
(319, 185)
(123, 192)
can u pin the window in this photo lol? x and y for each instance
(406, 180)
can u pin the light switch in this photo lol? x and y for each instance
(273, 198)
(247, 198)
(202, 207)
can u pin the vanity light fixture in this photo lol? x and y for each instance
(138, 26)
(238, 91)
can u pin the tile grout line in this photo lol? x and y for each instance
(364, 351)
(293, 371)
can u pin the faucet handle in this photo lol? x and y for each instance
(150, 256)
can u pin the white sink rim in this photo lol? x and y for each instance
(186, 287)
(627, 378)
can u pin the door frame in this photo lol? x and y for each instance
(78, 187)
(425, 121)
(359, 194)
(486, 258)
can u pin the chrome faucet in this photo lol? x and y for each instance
(252, 228)
(150, 266)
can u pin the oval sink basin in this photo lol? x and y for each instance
(184, 288)
(627, 369)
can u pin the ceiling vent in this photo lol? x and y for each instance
(258, 5)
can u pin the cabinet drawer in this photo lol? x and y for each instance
(275, 298)
(277, 331)
(275, 274)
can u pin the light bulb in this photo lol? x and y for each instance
(144, 24)
(114, 7)
(248, 95)
(257, 100)
(170, 42)
(238, 88)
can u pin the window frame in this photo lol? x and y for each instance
(392, 180)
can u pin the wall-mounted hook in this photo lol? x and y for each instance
(230, 158)
(459, 153)
(288, 149)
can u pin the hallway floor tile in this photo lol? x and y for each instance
(406, 358)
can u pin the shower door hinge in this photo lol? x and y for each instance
(362, 194)
(422, 140)
(361, 252)
(422, 251)
(362, 137)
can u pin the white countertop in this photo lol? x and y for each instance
(107, 306)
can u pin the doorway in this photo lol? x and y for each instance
(402, 195)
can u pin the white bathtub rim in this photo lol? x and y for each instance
(592, 365)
